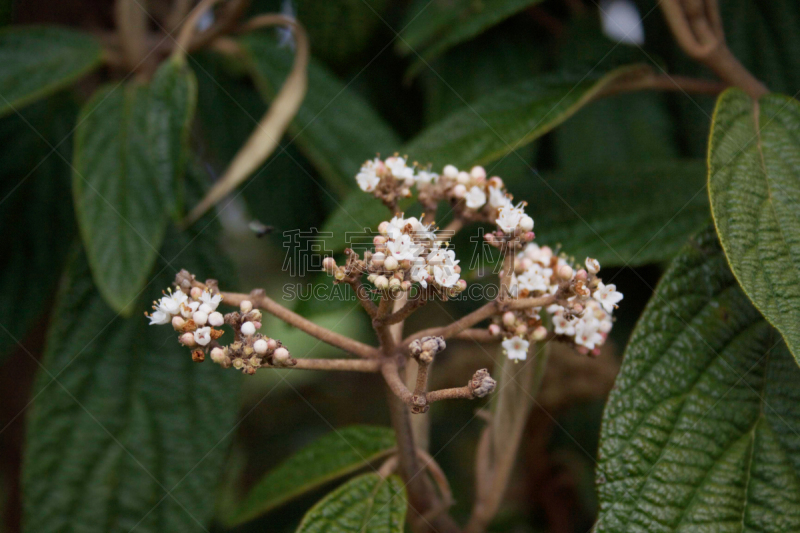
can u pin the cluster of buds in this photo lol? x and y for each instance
(582, 312)
(192, 312)
(424, 349)
(406, 252)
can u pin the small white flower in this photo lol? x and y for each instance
(592, 265)
(171, 303)
(562, 326)
(497, 198)
(248, 329)
(367, 177)
(403, 248)
(158, 318)
(210, 300)
(202, 336)
(516, 348)
(397, 166)
(420, 274)
(188, 309)
(476, 198)
(621, 21)
(445, 277)
(425, 177)
(396, 226)
(442, 257)
(200, 318)
(607, 295)
(509, 218)
(587, 334)
(533, 279)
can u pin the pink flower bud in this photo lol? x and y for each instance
(509, 319)
(540, 333)
(494, 330)
(187, 339)
(178, 323)
(257, 324)
(281, 355)
(329, 264)
(195, 293)
(521, 330)
(383, 227)
(581, 275)
(378, 259)
(478, 173)
(272, 344)
(218, 355)
(496, 182)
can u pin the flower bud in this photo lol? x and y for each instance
(379, 240)
(383, 227)
(178, 323)
(539, 333)
(257, 324)
(280, 356)
(381, 283)
(378, 259)
(450, 171)
(461, 285)
(187, 339)
(200, 318)
(463, 178)
(496, 182)
(526, 223)
(215, 319)
(405, 286)
(261, 347)
(565, 272)
(272, 344)
(218, 355)
(459, 191)
(329, 264)
(509, 319)
(394, 284)
(390, 263)
(339, 274)
(372, 277)
(195, 293)
(246, 306)
(581, 275)
(248, 329)
(478, 173)
(521, 330)
(592, 265)
(494, 330)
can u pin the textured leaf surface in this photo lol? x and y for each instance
(602, 212)
(754, 186)
(333, 456)
(365, 503)
(701, 432)
(121, 150)
(173, 98)
(335, 127)
(34, 203)
(37, 61)
(435, 27)
(122, 416)
(507, 119)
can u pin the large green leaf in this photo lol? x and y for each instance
(435, 26)
(701, 430)
(601, 213)
(366, 503)
(37, 61)
(129, 151)
(334, 455)
(335, 127)
(173, 98)
(36, 212)
(754, 185)
(125, 430)
(507, 119)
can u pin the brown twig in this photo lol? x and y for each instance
(404, 312)
(664, 82)
(346, 365)
(477, 335)
(131, 21)
(697, 26)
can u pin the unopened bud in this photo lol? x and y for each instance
(459, 191)
(187, 339)
(216, 319)
(381, 283)
(461, 285)
(463, 178)
(329, 264)
(565, 272)
(378, 259)
(280, 356)
(526, 223)
(178, 323)
(195, 293)
(494, 330)
(539, 333)
(246, 306)
(248, 329)
(496, 182)
(481, 383)
(450, 171)
(200, 318)
(272, 344)
(218, 355)
(394, 284)
(261, 346)
(478, 173)
(390, 264)
(339, 274)
(509, 319)
(383, 227)
(521, 330)
(581, 275)
(405, 286)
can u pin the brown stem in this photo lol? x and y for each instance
(404, 312)
(508, 270)
(456, 393)
(477, 335)
(422, 379)
(663, 82)
(131, 21)
(697, 26)
(262, 301)
(384, 332)
(347, 365)
(363, 296)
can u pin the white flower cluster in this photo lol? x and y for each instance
(193, 314)
(585, 316)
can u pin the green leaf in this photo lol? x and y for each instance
(35, 209)
(332, 456)
(507, 119)
(37, 61)
(754, 186)
(600, 213)
(701, 430)
(366, 503)
(335, 127)
(125, 430)
(438, 25)
(118, 189)
(173, 98)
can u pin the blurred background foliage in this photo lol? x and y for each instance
(622, 180)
